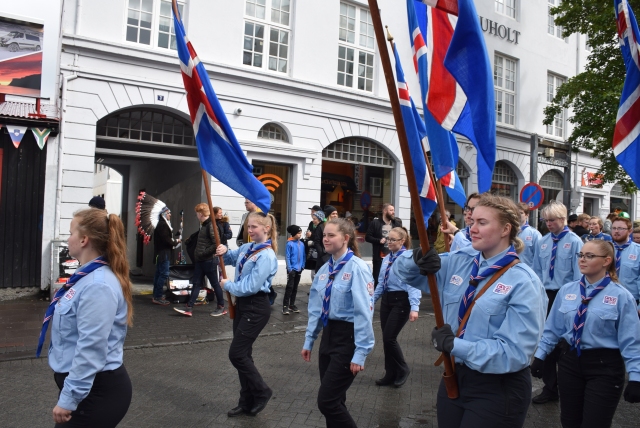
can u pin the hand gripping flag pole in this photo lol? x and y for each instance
(449, 375)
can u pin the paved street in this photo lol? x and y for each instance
(193, 384)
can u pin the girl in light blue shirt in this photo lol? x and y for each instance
(90, 316)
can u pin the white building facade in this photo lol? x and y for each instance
(302, 85)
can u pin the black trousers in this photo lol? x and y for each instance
(394, 314)
(486, 400)
(590, 386)
(210, 269)
(336, 351)
(107, 402)
(252, 315)
(377, 264)
(549, 371)
(293, 279)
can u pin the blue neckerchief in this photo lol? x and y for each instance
(524, 226)
(467, 297)
(467, 233)
(392, 258)
(556, 239)
(581, 315)
(77, 276)
(619, 250)
(591, 237)
(254, 248)
(333, 271)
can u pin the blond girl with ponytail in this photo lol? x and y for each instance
(256, 265)
(95, 309)
(502, 305)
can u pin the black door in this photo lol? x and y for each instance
(22, 173)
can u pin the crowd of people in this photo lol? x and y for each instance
(562, 306)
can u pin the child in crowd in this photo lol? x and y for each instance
(296, 259)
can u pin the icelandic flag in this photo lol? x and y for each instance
(461, 92)
(16, 133)
(442, 142)
(626, 146)
(219, 151)
(416, 134)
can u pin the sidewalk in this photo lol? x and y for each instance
(153, 325)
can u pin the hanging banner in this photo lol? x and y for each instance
(16, 133)
(20, 57)
(41, 134)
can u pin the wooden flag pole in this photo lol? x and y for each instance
(205, 178)
(440, 199)
(450, 381)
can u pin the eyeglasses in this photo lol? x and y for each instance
(468, 209)
(588, 256)
(393, 240)
(619, 229)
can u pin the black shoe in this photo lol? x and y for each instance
(400, 380)
(294, 308)
(385, 381)
(260, 405)
(544, 397)
(236, 411)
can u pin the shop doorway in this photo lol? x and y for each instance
(357, 178)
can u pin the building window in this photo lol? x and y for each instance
(552, 184)
(552, 28)
(271, 131)
(355, 21)
(358, 151)
(557, 127)
(141, 15)
(504, 80)
(146, 125)
(506, 7)
(620, 200)
(259, 25)
(505, 182)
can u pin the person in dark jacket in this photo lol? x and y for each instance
(205, 264)
(163, 244)
(224, 230)
(377, 236)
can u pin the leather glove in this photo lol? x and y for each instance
(632, 392)
(442, 338)
(429, 263)
(536, 368)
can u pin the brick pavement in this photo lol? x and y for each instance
(193, 385)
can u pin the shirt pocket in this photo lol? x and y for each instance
(65, 320)
(603, 321)
(568, 308)
(451, 303)
(564, 258)
(488, 314)
(341, 295)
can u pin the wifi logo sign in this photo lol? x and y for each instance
(270, 181)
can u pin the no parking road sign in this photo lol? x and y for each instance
(532, 195)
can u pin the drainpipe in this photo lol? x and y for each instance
(533, 175)
(76, 24)
(63, 95)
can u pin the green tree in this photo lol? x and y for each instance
(594, 94)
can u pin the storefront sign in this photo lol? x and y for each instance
(358, 177)
(553, 161)
(499, 30)
(591, 179)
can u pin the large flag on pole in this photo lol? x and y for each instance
(626, 144)
(219, 151)
(416, 134)
(442, 142)
(461, 93)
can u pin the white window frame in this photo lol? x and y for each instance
(269, 26)
(506, 7)
(505, 70)
(155, 24)
(358, 51)
(557, 128)
(553, 29)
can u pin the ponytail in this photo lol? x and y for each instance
(106, 233)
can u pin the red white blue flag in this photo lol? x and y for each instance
(461, 93)
(442, 142)
(416, 137)
(626, 146)
(219, 151)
